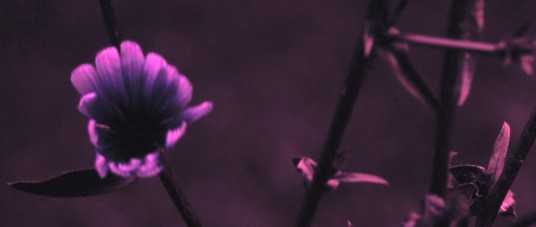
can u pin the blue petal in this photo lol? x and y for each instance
(193, 114)
(101, 166)
(173, 135)
(132, 61)
(151, 165)
(151, 68)
(110, 75)
(84, 106)
(93, 135)
(83, 78)
(167, 83)
(184, 94)
(114, 167)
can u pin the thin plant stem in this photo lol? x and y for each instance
(491, 205)
(111, 23)
(448, 99)
(376, 13)
(178, 197)
(174, 191)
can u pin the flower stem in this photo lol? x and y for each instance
(343, 111)
(111, 23)
(513, 163)
(178, 197)
(449, 89)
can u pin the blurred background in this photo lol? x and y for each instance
(274, 70)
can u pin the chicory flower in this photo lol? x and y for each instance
(137, 106)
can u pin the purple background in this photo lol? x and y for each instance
(273, 70)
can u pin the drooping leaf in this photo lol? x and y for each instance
(306, 166)
(350, 177)
(76, 183)
(508, 205)
(500, 149)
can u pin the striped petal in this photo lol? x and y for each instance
(132, 61)
(153, 63)
(109, 73)
(83, 78)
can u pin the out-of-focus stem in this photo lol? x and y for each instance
(448, 99)
(377, 15)
(491, 205)
(111, 23)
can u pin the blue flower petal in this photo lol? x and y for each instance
(109, 74)
(84, 106)
(101, 166)
(184, 95)
(132, 61)
(151, 166)
(173, 135)
(93, 135)
(83, 78)
(153, 63)
(114, 167)
(194, 113)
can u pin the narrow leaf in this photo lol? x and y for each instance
(496, 162)
(75, 183)
(349, 177)
(467, 73)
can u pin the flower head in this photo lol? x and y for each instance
(137, 106)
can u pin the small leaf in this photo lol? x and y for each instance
(468, 173)
(349, 177)
(306, 166)
(508, 205)
(466, 80)
(76, 183)
(496, 162)
(349, 223)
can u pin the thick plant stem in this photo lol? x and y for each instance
(325, 170)
(491, 205)
(178, 197)
(111, 23)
